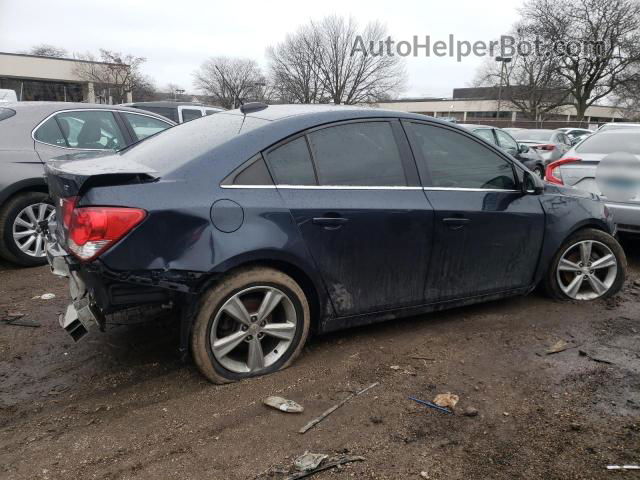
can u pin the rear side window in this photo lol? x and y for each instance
(457, 161)
(189, 114)
(49, 132)
(359, 154)
(255, 174)
(486, 134)
(168, 112)
(6, 113)
(144, 126)
(291, 163)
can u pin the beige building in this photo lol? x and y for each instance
(47, 79)
(480, 105)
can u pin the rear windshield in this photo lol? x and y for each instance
(606, 143)
(6, 113)
(178, 145)
(536, 135)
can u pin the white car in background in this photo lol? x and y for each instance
(7, 96)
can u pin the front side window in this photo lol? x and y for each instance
(189, 114)
(455, 160)
(358, 154)
(95, 130)
(291, 163)
(144, 126)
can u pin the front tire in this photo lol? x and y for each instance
(253, 322)
(21, 241)
(589, 265)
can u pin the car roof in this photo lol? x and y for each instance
(474, 125)
(169, 103)
(48, 108)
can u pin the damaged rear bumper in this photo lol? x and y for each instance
(81, 315)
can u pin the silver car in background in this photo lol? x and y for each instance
(550, 144)
(579, 169)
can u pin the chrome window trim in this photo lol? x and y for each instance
(33, 132)
(363, 187)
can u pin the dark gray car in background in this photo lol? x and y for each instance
(32, 133)
(551, 144)
(529, 157)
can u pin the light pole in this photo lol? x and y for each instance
(503, 65)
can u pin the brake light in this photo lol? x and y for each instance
(546, 148)
(92, 230)
(553, 175)
(67, 205)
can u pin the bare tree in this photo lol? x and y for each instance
(145, 90)
(46, 50)
(627, 98)
(610, 27)
(292, 68)
(112, 73)
(320, 63)
(532, 82)
(231, 81)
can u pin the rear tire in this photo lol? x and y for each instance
(581, 277)
(539, 171)
(257, 309)
(9, 249)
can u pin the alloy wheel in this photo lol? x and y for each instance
(26, 231)
(253, 329)
(587, 270)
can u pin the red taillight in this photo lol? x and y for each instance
(552, 174)
(92, 230)
(546, 148)
(67, 205)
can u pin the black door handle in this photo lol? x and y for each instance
(455, 223)
(330, 221)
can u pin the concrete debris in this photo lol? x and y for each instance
(559, 346)
(284, 405)
(309, 461)
(45, 296)
(470, 412)
(326, 465)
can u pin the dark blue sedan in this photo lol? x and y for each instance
(265, 224)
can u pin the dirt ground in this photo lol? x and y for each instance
(121, 405)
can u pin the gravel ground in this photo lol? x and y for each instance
(120, 405)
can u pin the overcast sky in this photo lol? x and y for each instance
(177, 36)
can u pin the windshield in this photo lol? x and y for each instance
(618, 141)
(536, 135)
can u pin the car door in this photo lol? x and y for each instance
(143, 126)
(353, 191)
(79, 131)
(488, 234)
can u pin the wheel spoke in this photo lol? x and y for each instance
(31, 215)
(585, 251)
(269, 303)
(23, 223)
(223, 346)
(255, 360)
(574, 287)
(42, 210)
(283, 331)
(236, 309)
(604, 262)
(25, 246)
(568, 266)
(39, 243)
(597, 285)
(24, 233)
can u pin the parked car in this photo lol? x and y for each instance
(551, 144)
(267, 223)
(33, 132)
(576, 134)
(178, 112)
(7, 95)
(510, 130)
(529, 157)
(617, 126)
(579, 166)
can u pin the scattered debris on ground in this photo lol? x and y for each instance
(448, 400)
(309, 461)
(431, 405)
(326, 465)
(284, 405)
(329, 411)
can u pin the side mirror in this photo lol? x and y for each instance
(531, 184)
(522, 148)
